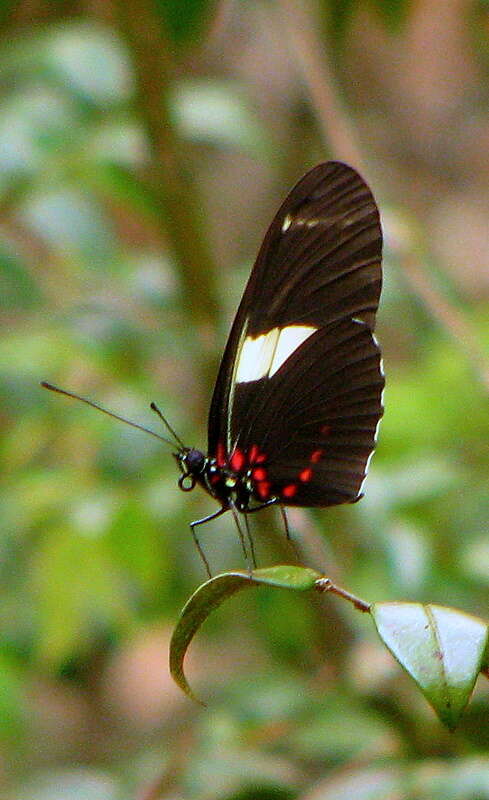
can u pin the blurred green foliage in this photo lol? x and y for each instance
(184, 21)
(340, 14)
(96, 556)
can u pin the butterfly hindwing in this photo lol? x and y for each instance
(316, 420)
(300, 382)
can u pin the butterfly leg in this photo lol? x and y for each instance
(193, 525)
(286, 522)
(275, 501)
(287, 531)
(250, 540)
(249, 564)
(246, 510)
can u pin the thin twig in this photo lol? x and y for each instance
(327, 585)
(312, 62)
(447, 314)
(169, 176)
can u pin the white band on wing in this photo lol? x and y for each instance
(264, 355)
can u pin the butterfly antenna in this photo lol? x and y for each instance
(165, 422)
(52, 388)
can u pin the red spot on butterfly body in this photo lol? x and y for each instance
(326, 429)
(290, 490)
(261, 457)
(220, 455)
(259, 474)
(305, 475)
(316, 455)
(237, 460)
(215, 479)
(263, 489)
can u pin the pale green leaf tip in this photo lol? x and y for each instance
(428, 642)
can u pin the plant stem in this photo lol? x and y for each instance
(169, 176)
(310, 55)
(327, 585)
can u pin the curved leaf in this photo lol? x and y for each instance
(441, 648)
(212, 593)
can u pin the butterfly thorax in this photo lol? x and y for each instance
(231, 482)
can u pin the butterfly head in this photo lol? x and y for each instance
(192, 464)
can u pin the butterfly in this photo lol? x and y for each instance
(298, 396)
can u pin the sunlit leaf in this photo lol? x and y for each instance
(218, 114)
(442, 648)
(67, 220)
(12, 702)
(364, 783)
(79, 595)
(71, 784)
(212, 593)
(90, 62)
(136, 545)
(475, 559)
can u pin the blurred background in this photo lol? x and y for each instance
(144, 148)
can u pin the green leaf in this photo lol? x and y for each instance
(392, 12)
(79, 595)
(441, 648)
(212, 593)
(19, 290)
(340, 14)
(6, 8)
(186, 21)
(462, 778)
(13, 714)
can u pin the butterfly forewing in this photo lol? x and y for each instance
(300, 383)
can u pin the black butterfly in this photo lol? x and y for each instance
(298, 397)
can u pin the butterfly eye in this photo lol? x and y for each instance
(195, 461)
